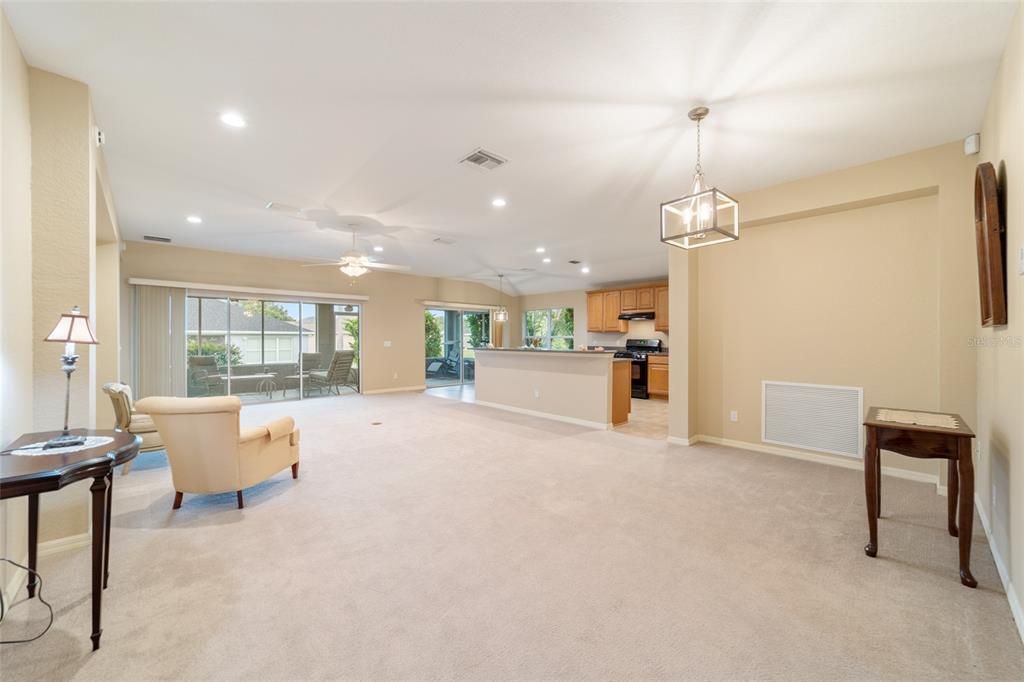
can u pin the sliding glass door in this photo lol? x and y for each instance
(450, 340)
(261, 350)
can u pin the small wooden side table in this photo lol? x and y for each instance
(40, 473)
(924, 442)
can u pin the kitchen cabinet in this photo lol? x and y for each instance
(657, 376)
(628, 302)
(612, 308)
(661, 309)
(595, 312)
(645, 298)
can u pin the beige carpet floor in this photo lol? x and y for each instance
(430, 538)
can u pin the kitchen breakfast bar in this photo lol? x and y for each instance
(589, 388)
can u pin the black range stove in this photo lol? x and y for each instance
(637, 350)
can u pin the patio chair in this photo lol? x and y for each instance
(127, 419)
(336, 375)
(204, 376)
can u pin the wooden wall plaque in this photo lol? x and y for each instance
(988, 231)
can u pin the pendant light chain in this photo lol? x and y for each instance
(698, 169)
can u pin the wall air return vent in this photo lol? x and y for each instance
(481, 158)
(162, 240)
(813, 417)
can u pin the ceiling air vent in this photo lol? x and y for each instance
(575, 262)
(481, 158)
(444, 241)
(162, 240)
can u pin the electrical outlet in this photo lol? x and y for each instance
(734, 416)
(536, 393)
(396, 376)
(1020, 261)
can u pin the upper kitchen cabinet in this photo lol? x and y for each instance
(645, 298)
(612, 309)
(595, 312)
(661, 308)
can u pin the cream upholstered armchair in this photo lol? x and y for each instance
(210, 453)
(127, 419)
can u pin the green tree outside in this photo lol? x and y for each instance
(433, 335)
(218, 350)
(271, 310)
(351, 327)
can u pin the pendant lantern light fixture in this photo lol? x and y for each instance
(704, 216)
(501, 314)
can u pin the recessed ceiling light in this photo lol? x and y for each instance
(547, 260)
(194, 219)
(540, 249)
(233, 119)
(498, 203)
(585, 270)
(378, 249)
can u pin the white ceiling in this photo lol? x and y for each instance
(367, 108)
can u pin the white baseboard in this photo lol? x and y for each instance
(399, 389)
(545, 415)
(17, 581)
(678, 440)
(1016, 608)
(831, 460)
(20, 577)
(64, 544)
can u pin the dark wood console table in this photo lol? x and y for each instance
(34, 474)
(925, 442)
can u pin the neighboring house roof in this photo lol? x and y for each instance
(214, 319)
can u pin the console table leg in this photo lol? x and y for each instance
(952, 492)
(99, 509)
(106, 527)
(966, 510)
(33, 540)
(871, 490)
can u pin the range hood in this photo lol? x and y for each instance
(648, 315)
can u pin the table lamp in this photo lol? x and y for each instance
(71, 328)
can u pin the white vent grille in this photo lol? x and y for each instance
(812, 416)
(481, 158)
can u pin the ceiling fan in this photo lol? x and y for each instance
(356, 263)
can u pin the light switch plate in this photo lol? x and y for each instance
(387, 344)
(1020, 261)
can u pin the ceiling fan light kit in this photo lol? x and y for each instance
(703, 217)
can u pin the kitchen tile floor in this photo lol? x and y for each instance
(648, 419)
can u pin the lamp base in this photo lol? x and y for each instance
(65, 440)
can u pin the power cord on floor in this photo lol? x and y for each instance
(39, 594)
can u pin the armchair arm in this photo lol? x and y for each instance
(280, 427)
(252, 433)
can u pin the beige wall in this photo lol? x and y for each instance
(63, 269)
(862, 277)
(393, 315)
(15, 285)
(1000, 350)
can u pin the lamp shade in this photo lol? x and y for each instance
(72, 327)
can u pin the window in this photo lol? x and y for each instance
(550, 328)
